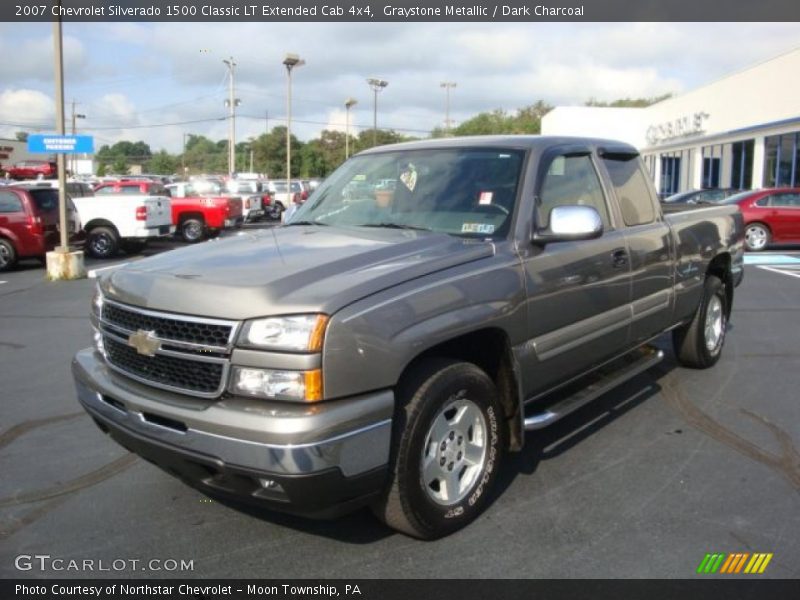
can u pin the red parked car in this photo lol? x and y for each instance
(770, 216)
(33, 169)
(132, 186)
(197, 216)
(29, 223)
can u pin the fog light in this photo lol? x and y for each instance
(296, 386)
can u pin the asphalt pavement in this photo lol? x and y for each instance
(644, 482)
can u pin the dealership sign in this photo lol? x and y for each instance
(681, 127)
(60, 144)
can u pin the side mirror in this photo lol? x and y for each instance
(569, 224)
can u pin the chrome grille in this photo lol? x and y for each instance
(193, 355)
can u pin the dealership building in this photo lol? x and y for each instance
(741, 131)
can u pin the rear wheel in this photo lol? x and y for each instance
(193, 230)
(274, 211)
(699, 344)
(103, 242)
(8, 255)
(756, 237)
(447, 447)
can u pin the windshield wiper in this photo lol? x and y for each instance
(394, 226)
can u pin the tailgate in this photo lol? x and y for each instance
(235, 205)
(159, 211)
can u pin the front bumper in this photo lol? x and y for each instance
(317, 460)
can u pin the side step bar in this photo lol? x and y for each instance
(605, 380)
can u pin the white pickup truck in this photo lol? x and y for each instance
(119, 221)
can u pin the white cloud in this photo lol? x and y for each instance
(24, 110)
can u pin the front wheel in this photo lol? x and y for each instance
(448, 443)
(275, 211)
(756, 237)
(699, 344)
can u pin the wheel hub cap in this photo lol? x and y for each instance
(756, 237)
(454, 452)
(715, 324)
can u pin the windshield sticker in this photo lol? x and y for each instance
(485, 198)
(477, 228)
(409, 177)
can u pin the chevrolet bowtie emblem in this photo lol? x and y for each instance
(145, 342)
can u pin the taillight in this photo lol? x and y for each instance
(305, 195)
(141, 213)
(35, 225)
(249, 203)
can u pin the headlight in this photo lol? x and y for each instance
(97, 302)
(296, 386)
(298, 333)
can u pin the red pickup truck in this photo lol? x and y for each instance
(32, 169)
(197, 217)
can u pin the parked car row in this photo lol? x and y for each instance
(771, 216)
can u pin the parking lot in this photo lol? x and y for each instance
(641, 483)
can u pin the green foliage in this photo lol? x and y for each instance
(526, 120)
(162, 163)
(21, 136)
(119, 166)
(102, 170)
(628, 102)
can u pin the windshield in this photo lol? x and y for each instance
(460, 191)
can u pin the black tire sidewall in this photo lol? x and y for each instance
(12, 255)
(113, 245)
(192, 222)
(433, 519)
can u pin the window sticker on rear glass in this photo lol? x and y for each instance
(409, 177)
(477, 228)
(485, 198)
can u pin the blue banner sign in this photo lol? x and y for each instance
(60, 144)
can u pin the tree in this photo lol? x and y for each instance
(628, 102)
(22, 136)
(162, 163)
(102, 169)
(119, 166)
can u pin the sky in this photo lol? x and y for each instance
(157, 81)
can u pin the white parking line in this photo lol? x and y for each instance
(92, 274)
(782, 271)
(2, 282)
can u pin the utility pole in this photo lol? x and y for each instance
(290, 62)
(183, 159)
(60, 130)
(447, 85)
(75, 117)
(348, 104)
(231, 103)
(377, 85)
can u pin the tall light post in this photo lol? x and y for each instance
(377, 85)
(447, 85)
(291, 61)
(75, 117)
(348, 104)
(231, 103)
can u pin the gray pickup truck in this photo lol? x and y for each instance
(428, 305)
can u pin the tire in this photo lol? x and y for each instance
(430, 448)
(133, 246)
(8, 255)
(275, 211)
(193, 230)
(102, 242)
(699, 344)
(757, 236)
(213, 233)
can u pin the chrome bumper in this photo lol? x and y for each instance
(351, 434)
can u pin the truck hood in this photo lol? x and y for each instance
(287, 270)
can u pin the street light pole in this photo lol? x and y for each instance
(75, 116)
(348, 104)
(232, 103)
(290, 62)
(377, 85)
(447, 85)
(58, 57)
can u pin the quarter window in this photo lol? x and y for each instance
(10, 203)
(570, 181)
(633, 193)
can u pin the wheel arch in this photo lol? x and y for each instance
(489, 349)
(94, 223)
(720, 266)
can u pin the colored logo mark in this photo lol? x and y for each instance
(736, 562)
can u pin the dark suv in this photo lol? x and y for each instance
(29, 223)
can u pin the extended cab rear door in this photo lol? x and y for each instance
(649, 241)
(578, 292)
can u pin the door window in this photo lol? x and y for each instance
(570, 181)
